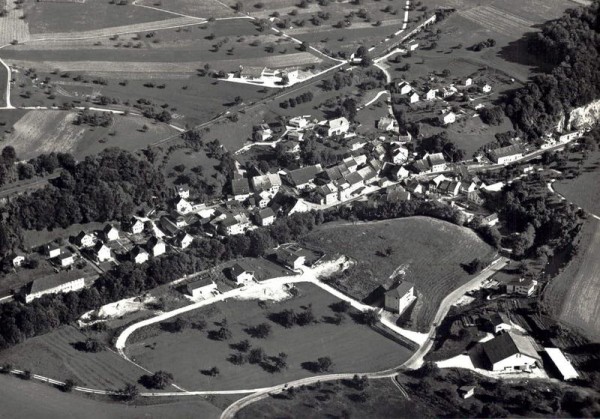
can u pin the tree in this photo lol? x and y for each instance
(281, 361)
(129, 392)
(370, 317)
(213, 372)
(68, 385)
(341, 306)
(324, 364)
(256, 356)
(304, 46)
(261, 331)
(159, 380)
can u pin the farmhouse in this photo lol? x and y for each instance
(562, 365)
(437, 162)
(156, 246)
(521, 286)
(510, 352)
(265, 217)
(139, 255)
(203, 288)
(498, 322)
(303, 177)
(337, 126)
(53, 285)
(136, 226)
(183, 240)
(110, 233)
(102, 252)
(182, 206)
(270, 182)
(400, 298)
(404, 88)
(65, 259)
(240, 189)
(505, 155)
(84, 239)
(52, 250)
(290, 258)
(240, 275)
(326, 194)
(448, 118)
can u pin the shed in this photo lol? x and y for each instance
(562, 364)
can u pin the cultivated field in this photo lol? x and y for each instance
(13, 26)
(425, 251)
(573, 295)
(54, 355)
(351, 346)
(18, 402)
(45, 131)
(204, 9)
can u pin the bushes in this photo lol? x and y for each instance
(293, 101)
(159, 380)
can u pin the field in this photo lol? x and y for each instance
(425, 251)
(573, 295)
(53, 355)
(350, 346)
(205, 9)
(18, 403)
(45, 131)
(583, 190)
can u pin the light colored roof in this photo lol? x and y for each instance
(49, 282)
(401, 290)
(200, 283)
(562, 363)
(266, 212)
(510, 150)
(508, 344)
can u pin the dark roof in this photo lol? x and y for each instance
(436, 158)
(354, 178)
(137, 250)
(237, 270)
(153, 241)
(506, 151)
(498, 319)
(240, 186)
(526, 282)
(108, 227)
(99, 244)
(266, 213)
(65, 254)
(304, 174)
(52, 246)
(53, 281)
(401, 290)
(508, 344)
(202, 282)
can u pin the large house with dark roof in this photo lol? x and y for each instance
(505, 155)
(63, 282)
(510, 352)
(303, 177)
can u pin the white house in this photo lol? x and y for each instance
(338, 126)
(437, 162)
(413, 98)
(66, 258)
(17, 260)
(295, 136)
(510, 352)
(468, 82)
(84, 239)
(270, 182)
(448, 118)
(240, 275)
(387, 124)
(404, 88)
(298, 122)
(505, 155)
(52, 250)
(183, 240)
(60, 283)
(182, 206)
(486, 88)
(400, 298)
(413, 47)
(102, 252)
(203, 288)
(139, 255)
(290, 258)
(521, 286)
(430, 94)
(265, 217)
(136, 226)
(240, 189)
(110, 233)
(156, 246)
(498, 322)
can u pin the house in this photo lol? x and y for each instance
(498, 322)
(486, 88)
(356, 143)
(136, 226)
(263, 133)
(240, 275)
(270, 183)
(404, 88)
(448, 91)
(65, 259)
(395, 194)
(52, 250)
(231, 226)
(466, 391)
(395, 171)
(413, 47)
(156, 246)
(102, 252)
(240, 189)
(298, 122)
(468, 82)
(183, 240)
(303, 177)
(182, 206)
(326, 194)
(84, 239)
(468, 187)
(448, 118)
(183, 192)
(430, 94)
(399, 154)
(337, 126)
(202, 288)
(387, 124)
(413, 98)
(17, 260)
(59, 283)
(490, 220)
(521, 286)
(437, 162)
(400, 298)
(262, 199)
(295, 136)
(449, 187)
(168, 226)
(110, 233)
(505, 155)
(561, 364)
(404, 136)
(139, 255)
(414, 186)
(570, 136)
(475, 197)
(265, 217)
(510, 352)
(290, 258)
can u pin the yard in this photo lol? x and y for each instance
(350, 346)
(424, 251)
(572, 297)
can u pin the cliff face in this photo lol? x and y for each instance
(584, 116)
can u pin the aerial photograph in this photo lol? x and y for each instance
(299, 209)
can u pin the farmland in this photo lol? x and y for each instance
(350, 346)
(573, 295)
(45, 131)
(17, 402)
(583, 190)
(424, 251)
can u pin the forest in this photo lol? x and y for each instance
(572, 45)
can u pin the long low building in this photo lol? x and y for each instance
(59, 283)
(562, 364)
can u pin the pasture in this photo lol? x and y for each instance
(204, 9)
(188, 353)
(45, 131)
(583, 190)
(424, 251)
(572, 297)
(17, 402)
(54, 355)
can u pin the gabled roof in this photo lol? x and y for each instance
(137, 250)
(99, 245)
(236, 270)
(108, 228)
(497, 319)
(154, 241)
(53, 281)
(65, 254)
(507, 345)
(304, 174)
(200, 283)
(436, 158)
(266, 213)
(510, 150)
(240, 186)
(401, 290)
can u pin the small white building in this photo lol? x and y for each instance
(102, 252)
(60, 283)
(182, 206)
(448, 118)
(498, 323)
(17, 260)
(156, 246)
(52, 250)
(413, 98)
(139, 255)
(65, 259)
(290, 258)
(338, 126)
(136, 226)
(240, 275)
(298, 122)
(202, 288)
(468, 82)
(265, 217)
(400, 298)
(183, 192)
(110, 233)
(84, 239)
(505, 155)
(521, 286)
(183, 240)
(486, 88)
(430, 94)
(562, 364)
(404, 87)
